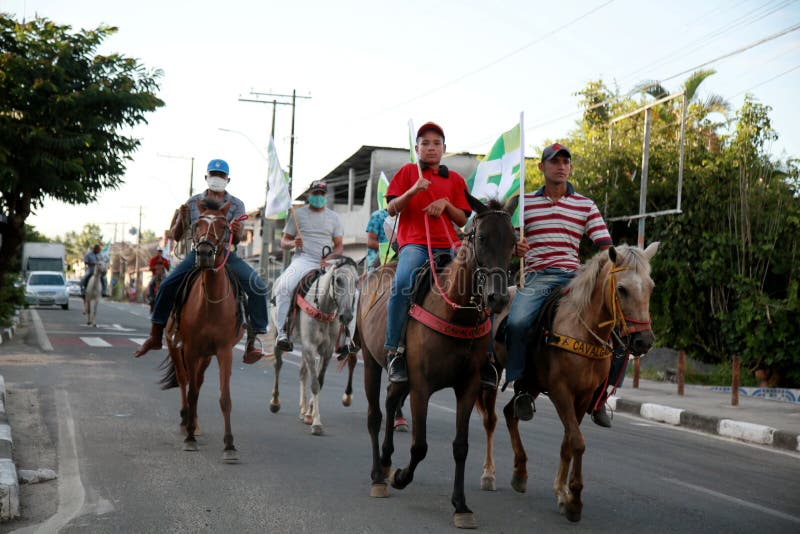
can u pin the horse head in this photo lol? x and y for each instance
(101, 267)
(630, 282)
(210, 232)
(342, 285)
(492, 241)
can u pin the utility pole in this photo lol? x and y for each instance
(267, 230)
(138, 251)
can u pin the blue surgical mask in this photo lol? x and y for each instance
(317, 201)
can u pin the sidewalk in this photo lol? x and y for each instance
(755, 420)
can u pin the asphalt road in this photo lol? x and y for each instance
(97, 416)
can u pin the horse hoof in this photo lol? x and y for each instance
(308, 419)
(487, 484)
(230, 457)
(520, 485)
(347, 400)
(574, 516)
(379, 491)
(400, 424)
(190, 446)
(466, 520)
(393, 479)
(316, 430)
(274, 407)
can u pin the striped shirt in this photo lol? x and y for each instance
(554, 229)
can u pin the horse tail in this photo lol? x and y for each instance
(170, 378)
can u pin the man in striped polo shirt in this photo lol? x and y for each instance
(556, 218)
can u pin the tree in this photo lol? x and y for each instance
(62, 108)
(78, 244)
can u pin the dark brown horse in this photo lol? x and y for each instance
(209, 325)
(613, 288)
(476, 282)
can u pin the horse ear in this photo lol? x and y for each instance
(651, 250)
(612, 254)
(476, 205)
(225, 207)
(511, 205)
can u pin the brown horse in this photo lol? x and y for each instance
(475, 281)
(209, 325)
(613, 288)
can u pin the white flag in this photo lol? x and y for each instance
(278, 197)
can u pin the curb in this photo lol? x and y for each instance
(41, 334)
(9, 484)
(738, 430)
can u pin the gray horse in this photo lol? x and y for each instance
(333, 296)
(94, 290)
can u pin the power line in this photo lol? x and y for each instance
(501, 58)
(766, 81)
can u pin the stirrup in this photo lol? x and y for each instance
(489, 382)
(400, 374)
(524, 406)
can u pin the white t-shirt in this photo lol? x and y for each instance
(317, 229)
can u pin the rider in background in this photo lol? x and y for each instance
(556, 217)
(440, 192)
(159, 265)
(90, 261)
(217, 178)
(312, 228)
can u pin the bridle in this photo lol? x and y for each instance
(217, 238)
(481, 272)
(628, 326)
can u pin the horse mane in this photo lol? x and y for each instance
(208, 203)
(581, 287)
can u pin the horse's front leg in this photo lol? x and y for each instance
(572, 448)
(304, 412)
(195, 372)
(486, 404)
(419, 443)
(372, 388)
(315, 378)
(275, 402)
(463, 517)
(519, 478)
(225, 361)
(347, 397)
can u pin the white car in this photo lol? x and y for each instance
(46, 288)
(74, 288)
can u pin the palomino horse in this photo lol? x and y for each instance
(471, 287)
(209, 324)
(613, 288)
(322, 320)
(94, 290)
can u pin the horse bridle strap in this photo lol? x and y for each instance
(579, 347)
(438, 324)
(313, 312)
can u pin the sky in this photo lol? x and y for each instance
(370, 66)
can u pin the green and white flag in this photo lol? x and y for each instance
(411, 142)
(497, 175)
(278, 197)
(383, 186)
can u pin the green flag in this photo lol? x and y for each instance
(383, 186)
(497, 175)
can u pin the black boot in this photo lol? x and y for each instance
(601, 417)
(283, 342)
(397, 367)
(490, 376)
(524, 407)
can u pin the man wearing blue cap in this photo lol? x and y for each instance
(217, 179)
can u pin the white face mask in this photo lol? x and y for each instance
(215, 183)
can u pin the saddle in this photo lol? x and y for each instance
(301, 289)
(185, 288)
(541, 326)
(424, 279)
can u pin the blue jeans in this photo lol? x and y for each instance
(248, 279)
(524, 309)
(411, 258)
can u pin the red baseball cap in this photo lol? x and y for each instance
(430, 127)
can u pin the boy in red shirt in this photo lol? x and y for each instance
(439, 193)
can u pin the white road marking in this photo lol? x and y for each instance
(735, 500)
(71, 493)
(138, 340)
(444, 408)
(95, 342)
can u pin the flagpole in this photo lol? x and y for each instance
(296, 227)
(522, 193)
